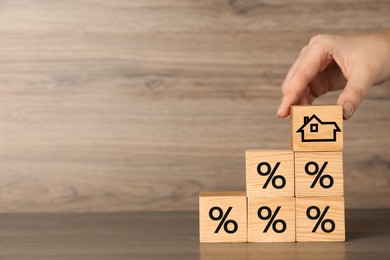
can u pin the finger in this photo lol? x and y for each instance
(328, 80)
(312, 62)
(320, 84)
(293, 68)
(336, 77)
(304, 100)
(287, 79)
(353, 93)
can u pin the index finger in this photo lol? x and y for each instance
(313, 60)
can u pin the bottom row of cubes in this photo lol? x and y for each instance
(232, 217)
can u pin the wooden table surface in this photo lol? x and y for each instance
(172, 235)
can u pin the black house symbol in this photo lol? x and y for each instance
(314, 130)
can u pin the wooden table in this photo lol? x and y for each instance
(172, 235)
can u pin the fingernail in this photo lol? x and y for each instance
(348, 110)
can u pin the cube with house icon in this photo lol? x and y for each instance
(316, 128)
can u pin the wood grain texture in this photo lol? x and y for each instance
(320, 219)
(229, 210)
(282, 228)
(140, 105)
(310, 182)
(269, 173)
(172, 235)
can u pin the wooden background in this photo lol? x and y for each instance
(140, 105)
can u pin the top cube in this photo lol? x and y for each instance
(316, 128)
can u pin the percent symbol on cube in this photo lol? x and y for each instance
(272, 221)
(320, 217)
(270, 172)
(223, 222)
(319, 176)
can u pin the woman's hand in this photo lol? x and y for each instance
(331, 62)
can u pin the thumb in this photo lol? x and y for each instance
(353, 94)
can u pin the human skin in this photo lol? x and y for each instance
(351, 63)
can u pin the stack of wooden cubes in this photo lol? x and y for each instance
(291, 195)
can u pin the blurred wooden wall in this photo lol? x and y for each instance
(140, 105)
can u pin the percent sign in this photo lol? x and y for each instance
(320, 217)
(271, 175)
(223, 222)
(271, 217)
(318, 172)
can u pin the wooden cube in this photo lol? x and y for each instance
(319, 174)
(320, 219)
(223, 217)
(316, 128)
(269, 173)
(271, 219)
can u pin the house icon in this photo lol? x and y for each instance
(314, 130)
